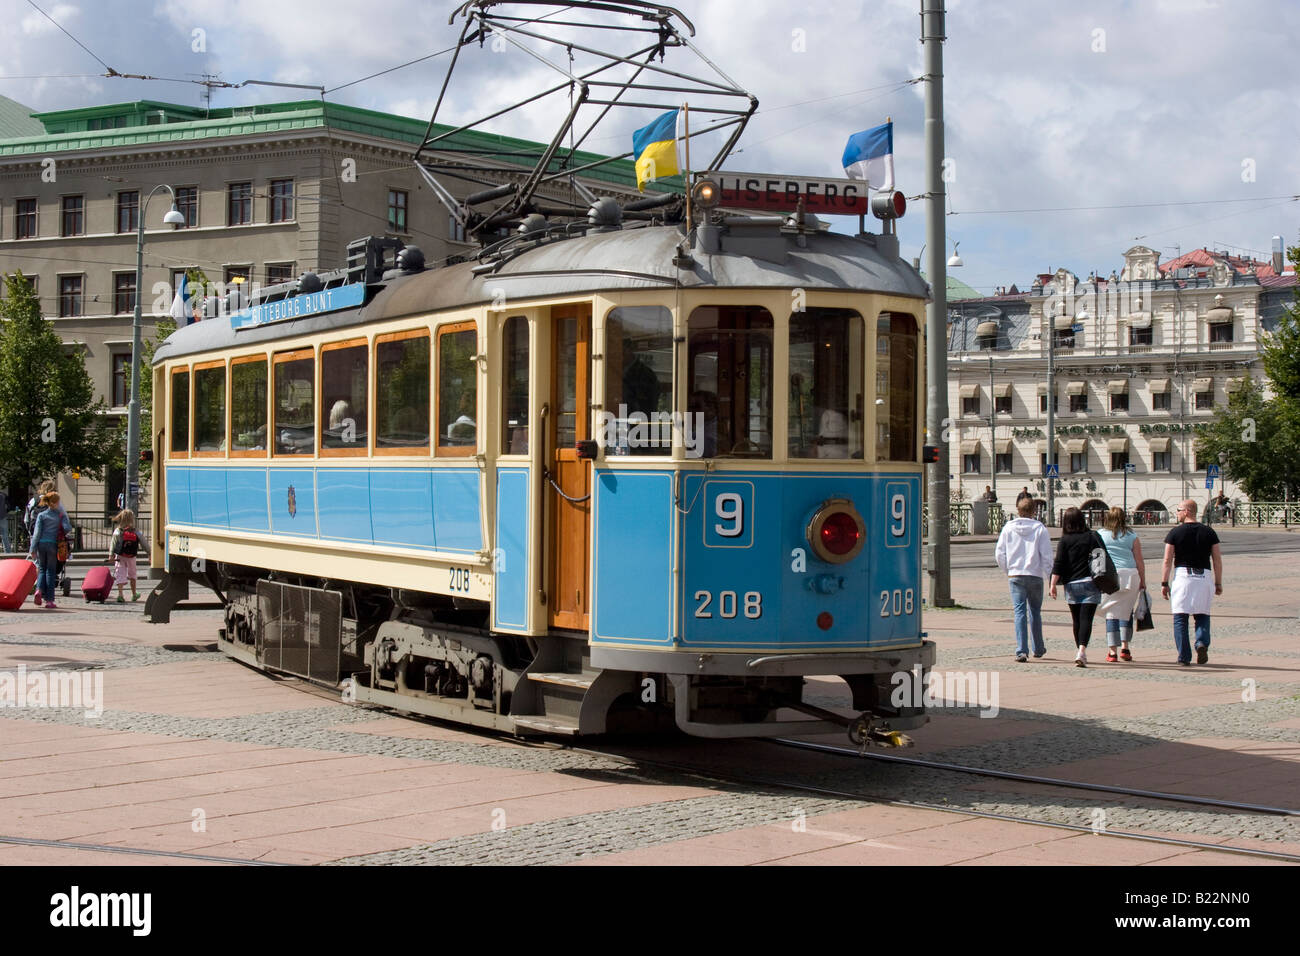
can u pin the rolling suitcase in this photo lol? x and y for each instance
(17, 575)
(98, 584)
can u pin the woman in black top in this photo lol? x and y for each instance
(1072, 567)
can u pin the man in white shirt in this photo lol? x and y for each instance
(1024, 552)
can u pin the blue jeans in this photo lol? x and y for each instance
(1027, 601)
(1180, 634)
(1118, 631)
(47, 559)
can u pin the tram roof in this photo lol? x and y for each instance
(635, 259)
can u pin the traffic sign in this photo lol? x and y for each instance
(1077, 327)
(1209, 483)
(1129, 467)
(1211, 471)
(1052, 471)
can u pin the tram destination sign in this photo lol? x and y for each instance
(777, 193)
(300, 306)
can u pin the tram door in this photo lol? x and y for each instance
(570, 495)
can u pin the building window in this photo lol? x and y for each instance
(1079, 403)
(970, 406)
(281, 200)
(970, 464)
(277, 272)
(25, 219)
(455, 229)
(74, 216)
(1140, 336)
(239, 204)
(121, 378)
(128, 211)
(1119, 401)
(1160, 401)
(1042, 404)
(123, 293)
(187, 204)
(1064, 338)
(1079, 462)
(1204, 401)
(1002, 405)
(1118, 459)
(1220, 332)
(397, 204)
(1003, 463)
(1160, 461)
(69, 295)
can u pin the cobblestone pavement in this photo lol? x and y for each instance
(197, 754)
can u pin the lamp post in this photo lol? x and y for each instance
(174, 218)
(993, 438)
(1051, 413)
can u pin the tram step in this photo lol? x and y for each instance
(547, 725)
(564, 679)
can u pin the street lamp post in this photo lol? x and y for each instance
(993, 437)
(174, 218)
(1051, 415)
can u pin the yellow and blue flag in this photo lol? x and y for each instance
(654, 149)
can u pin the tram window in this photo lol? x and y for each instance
(639, 379)
(180, 445)
(896, 356)
(826, 356)
(210, 408)
(343, 419)
(457, 389)
(731, 380)
(515, 439)
(248, 405)
(402, 392)
(295, 413)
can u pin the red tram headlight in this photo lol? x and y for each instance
(836, 531)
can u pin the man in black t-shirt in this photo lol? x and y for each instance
(1191, 555)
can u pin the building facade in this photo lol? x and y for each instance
(1141, 361)
(268, 192)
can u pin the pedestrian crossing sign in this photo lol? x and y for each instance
(1052, 471)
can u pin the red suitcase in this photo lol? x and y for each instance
(98, 584)
(17, 575)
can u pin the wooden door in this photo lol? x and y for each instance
(570, 505)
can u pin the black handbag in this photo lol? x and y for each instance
(1104, 575)
(1142, 613)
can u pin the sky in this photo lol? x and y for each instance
(1073, 130)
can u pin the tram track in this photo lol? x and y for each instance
(134, 851)
(733, 779)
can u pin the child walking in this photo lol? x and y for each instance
(126, 545)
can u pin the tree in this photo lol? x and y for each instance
(1258, 441)
(50, 420)
(166, 325)
(1280, 350)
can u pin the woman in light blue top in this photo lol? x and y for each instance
(1125, 550)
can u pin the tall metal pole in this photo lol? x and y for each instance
(132, 497)
(936, 244)
(993, 435)
(1051, 417)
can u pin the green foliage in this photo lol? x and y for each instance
(49, 418)
(1280, 350)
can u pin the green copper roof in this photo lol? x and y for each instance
(17, 120)
(958, 289)
(146, 122)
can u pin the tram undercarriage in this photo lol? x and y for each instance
(433, 655)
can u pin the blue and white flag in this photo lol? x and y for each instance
(869, 156)
(179, 310)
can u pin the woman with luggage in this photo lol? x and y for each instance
(1072, 567)
(45, 546)
(1125, 551)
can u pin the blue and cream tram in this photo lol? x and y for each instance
(589, 482)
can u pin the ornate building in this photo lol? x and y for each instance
(1142, 360)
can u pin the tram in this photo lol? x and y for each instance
(641, 464)
(593, 482)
